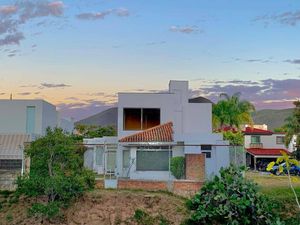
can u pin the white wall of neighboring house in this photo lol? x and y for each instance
(13, 116)
(268, 141)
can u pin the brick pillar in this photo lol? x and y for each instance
(195, 167)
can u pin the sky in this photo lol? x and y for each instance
(79, 54)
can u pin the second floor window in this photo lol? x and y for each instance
(280, 140)
(255, 139)
(140, 118)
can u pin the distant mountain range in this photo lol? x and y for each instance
(107, 117)
(273, 118)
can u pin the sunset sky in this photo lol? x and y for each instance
(78, 54)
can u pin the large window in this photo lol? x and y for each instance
(140, 118)
(280, 140)
(255, 139)
(126, 158)
(152, 160)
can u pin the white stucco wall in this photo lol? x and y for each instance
(13, 116)
(268, 141)
(192, 125)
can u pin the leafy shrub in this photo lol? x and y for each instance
(56, 171)
(49, 210)
(178, 167)
(231, 199)
(143, 218)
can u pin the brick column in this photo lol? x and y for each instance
(195, 167)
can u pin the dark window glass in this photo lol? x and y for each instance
(205, 147)
(207, 155)
(152, 160)
(151, 118)
(132, 119)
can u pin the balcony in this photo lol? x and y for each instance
(256, 145)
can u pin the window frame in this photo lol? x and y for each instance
(141, 118)
(170, 154)
(255, 136)
(280, 137)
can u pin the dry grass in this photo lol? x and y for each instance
(271, 181)
(109, 207)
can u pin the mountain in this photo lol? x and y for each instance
(272, 117)
(107, 117)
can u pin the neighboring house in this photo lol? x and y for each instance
(262, 146)
(154, 127)
(22, 121)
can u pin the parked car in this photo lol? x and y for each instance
(293, 170)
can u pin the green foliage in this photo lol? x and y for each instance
(285, 158)
(56, 171)
(232, 111)
(231, 199)
(90, 131)
(9, 217)
(143, 218)
(49, 210)
(178, 167)
(234, 138)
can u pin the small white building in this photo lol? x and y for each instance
(22, 121)
(262, 146)
(154, 127)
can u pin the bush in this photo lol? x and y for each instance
(231, 199)
(178, 167)
(50, 210)
(56, 172)
(143, 218)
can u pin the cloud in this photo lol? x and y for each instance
(268, 93)
(13, 17)
(293, 61)
(289, 18)
(254, 60)
(49, 85)
(2, 93)
(24, 93)
(8, 10)
(12, 39)
(121, 12)
(185, 29)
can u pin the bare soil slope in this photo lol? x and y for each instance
(109, 207)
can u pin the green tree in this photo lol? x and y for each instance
(232, 111)
(292, 127)
(234, 138)
(91, 131)
(56, 172)
(288, 163)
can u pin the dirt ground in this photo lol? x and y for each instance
(109, 207)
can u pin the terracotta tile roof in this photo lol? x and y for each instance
(160, 133)
(266, 151)
(250, 130)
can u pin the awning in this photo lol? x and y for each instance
(266, 152)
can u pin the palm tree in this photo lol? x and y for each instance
(292, 127)
(232, 111)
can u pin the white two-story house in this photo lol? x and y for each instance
(154, 127)
(262, 146)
